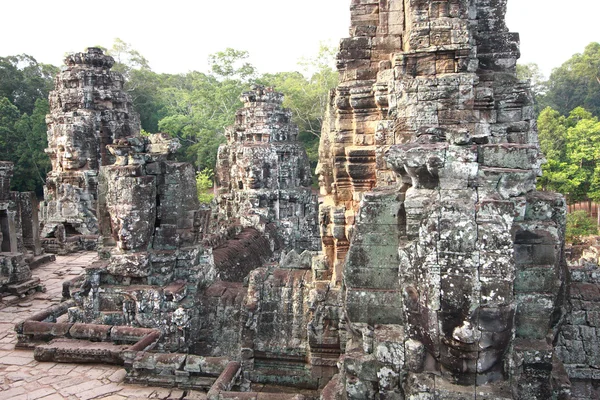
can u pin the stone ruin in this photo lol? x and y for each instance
(151, 261)
(20, 248)
(263, 174)
(88, 111)
(453, 273)
(441, 273)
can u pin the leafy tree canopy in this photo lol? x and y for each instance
(571, 145)
(23, 80)
(24, 88)
(576, 83)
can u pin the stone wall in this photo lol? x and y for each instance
(579, 340)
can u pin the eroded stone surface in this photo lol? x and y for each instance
(263, 175)
(24, 378)
(88, 111)
(428, 164)
(153, 262)
(19, 238)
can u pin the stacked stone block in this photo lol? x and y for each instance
(19, 241)
(263, 174)
(460, 257)
(578, 342)
(89, 110)
(153, 264)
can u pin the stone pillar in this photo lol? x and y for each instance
(7, 213)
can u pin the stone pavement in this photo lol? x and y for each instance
(23, 378)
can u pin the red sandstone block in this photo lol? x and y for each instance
(36, 328)
(128, 333)
(147, 342)
(91, 332)
(586, 291)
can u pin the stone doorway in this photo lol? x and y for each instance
(5, 247)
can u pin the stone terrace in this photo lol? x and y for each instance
(21, 377)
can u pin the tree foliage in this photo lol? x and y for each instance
(22, 141)
(23, 80)
(580, 224)
(199, 106)
(24, 88)
(204, 184)
(127, 58)
(571, 145)
(576, 83)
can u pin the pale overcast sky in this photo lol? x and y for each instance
(178, 35)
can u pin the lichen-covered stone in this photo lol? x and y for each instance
(89, 110)
(263, 174)
(153, 262)
(19, 237)
(430, 218)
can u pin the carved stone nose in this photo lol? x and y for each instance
(466, 333)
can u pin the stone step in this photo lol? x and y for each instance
(18, 289)
(80, 351)
(41, 260)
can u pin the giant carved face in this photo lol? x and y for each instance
(457, 267)
(131, 204)
(75, 145)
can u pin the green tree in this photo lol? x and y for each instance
(579, 224)
(552, 127)
(22, 141)
(307, 94)
(126, 58)
(576, 83)
(33, 163)
(572, 149)
(204, 184)
(24, 88)
(200, 106)
(23, 80)
(231, 64)
(9, 116)
(145, 88)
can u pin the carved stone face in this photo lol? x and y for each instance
(132, 209)
(475, 345)
(76, 148)
(130, 230)
(458, 270)
(325, 177)
(467, 342)
(254, 179)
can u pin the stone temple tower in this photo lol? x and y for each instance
(263, 174)
(431, 222)
(88, 111)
